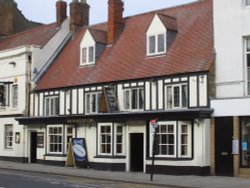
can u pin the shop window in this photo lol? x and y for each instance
(8, 136)
(111, 139)
(174, 139)
(133, 99)
(92, 102)
(245, 142)
(176, 96)
(51, 106)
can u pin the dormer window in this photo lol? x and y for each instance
(157, 44)
(88, 55)
(87, 50)
(160, 34)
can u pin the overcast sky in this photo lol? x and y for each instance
(44, 10)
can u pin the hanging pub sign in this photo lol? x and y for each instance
(80, 152)
(108, 100)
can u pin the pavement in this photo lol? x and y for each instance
(131, 177)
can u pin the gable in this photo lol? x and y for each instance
(156, 26)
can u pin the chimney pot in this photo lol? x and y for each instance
(61, 12)
(79, 14)
(115, 19)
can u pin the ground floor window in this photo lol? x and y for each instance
(58, 137)
(174, 139)
(8, 136)
(111, 139)
(245, 142)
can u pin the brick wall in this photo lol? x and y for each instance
(12, 20)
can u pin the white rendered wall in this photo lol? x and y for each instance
(231, 25)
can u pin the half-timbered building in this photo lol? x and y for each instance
(113, 78)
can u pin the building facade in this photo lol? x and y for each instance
(23, 57)
(230, 127)
(113, 78)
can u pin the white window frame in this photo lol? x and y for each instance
(8, 136)
(109, 134)
(56, 141)
(113, 139)
(170, 96)
(89, 102)
(177, 125)
(167, 123)
(51, 105)
(87, 59)
(128, 99)
(14, 96)
(188, 145)
(64, 137)
(156, 42)
(247, 52)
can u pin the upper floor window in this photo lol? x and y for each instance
(92, 102)
(88, 56)
(14, 96)
(3, 95)
(133, 99)
(156, 44)
(248, 64)
(247, 2)
(51, 106)
(176, 96)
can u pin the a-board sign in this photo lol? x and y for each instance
(80, 152)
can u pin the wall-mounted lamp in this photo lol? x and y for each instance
(12, 63)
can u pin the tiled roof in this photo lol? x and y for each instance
(169, 22)
(38, 36)
(99, 36)
(126, 59)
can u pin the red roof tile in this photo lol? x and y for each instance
(126, 59)
(37, 36)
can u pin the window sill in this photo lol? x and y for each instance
(110, 157)
(150, 56)
(170, 158)
(55, 155)
(87, 65)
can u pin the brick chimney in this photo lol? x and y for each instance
(61, 12)
(79, 14)
(115, 19)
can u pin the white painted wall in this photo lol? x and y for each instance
(231, 20)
